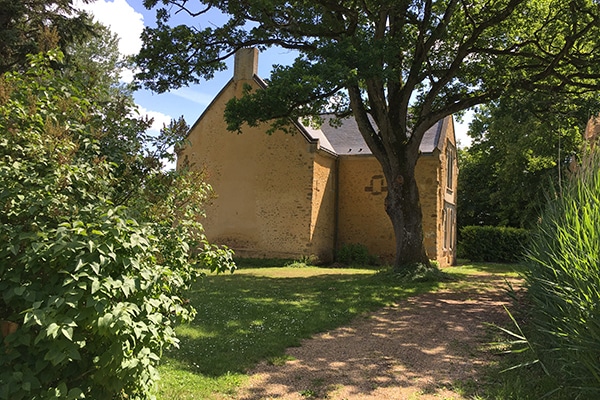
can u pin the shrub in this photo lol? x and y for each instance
(417, 272)
(355, 254)
(563, 280)
(304, 261)
(93, 288)
(492, 243)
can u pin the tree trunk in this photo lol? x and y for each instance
(404, 209)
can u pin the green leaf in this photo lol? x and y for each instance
(67, 332)
(80, 264)
(105, 321)
(55, 355)
(95, 267)
(52, 330)
(19, 290)
(95, 285)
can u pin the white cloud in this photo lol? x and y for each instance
(461, 129)
(160, 119)
(122, 19)
(193, 96)
(127, 75)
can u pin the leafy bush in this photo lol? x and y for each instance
(417, 273)
(563, 278)
(492, 243)
(93, 288)
(355, 254)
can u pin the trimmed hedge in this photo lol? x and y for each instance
(492, 243)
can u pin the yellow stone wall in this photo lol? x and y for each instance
(361, 214)
(447, 240)
(264, 184)
(362, 218)
(427, 175)
(322, 225)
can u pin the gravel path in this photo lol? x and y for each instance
(416, 349)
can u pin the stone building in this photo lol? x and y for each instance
(309, 193)
(592, 130)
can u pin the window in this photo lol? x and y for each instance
(449, 168)
(449, 222)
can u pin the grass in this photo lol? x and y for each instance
(256, 313)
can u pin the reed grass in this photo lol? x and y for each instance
(563, 279)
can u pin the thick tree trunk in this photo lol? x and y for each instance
(397, 153)
(404, 209)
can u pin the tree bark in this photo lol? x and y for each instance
(404, 209)
(398, 157)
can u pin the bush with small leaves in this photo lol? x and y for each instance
(355, 254)
(492, 243)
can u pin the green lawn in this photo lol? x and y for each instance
(256, 313)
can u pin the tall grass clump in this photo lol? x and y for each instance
(563, 279)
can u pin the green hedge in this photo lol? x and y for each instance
(492, 243)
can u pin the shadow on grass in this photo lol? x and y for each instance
(488, 267)
(245, 318)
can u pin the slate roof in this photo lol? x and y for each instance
(347, 140)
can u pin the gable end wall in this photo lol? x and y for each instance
(263, 184)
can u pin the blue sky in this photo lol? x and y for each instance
(127, 19)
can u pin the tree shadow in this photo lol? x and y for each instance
(422, 345)
(244, 319)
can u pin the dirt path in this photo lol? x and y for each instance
(413, 350)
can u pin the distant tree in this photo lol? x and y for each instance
(96, 63)
(25, 27)
(95, 60)
(475, 186)
(523, 145)
(407, 64)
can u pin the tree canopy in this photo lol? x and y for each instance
(24, 28)
(406, 64)
(523, 146)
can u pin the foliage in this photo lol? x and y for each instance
(563, 280)
(523, 144)
(417, 272)
(95, 60)
(493, 243)
(304, 261)
(355, 254)
(95, 288)
(396, 67)
(475, 186)
(124, 138)
(28, 27)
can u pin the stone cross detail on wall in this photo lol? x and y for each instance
(377, 186)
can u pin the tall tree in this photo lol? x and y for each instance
(24, 26)
(523, 146)
(406, 63)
